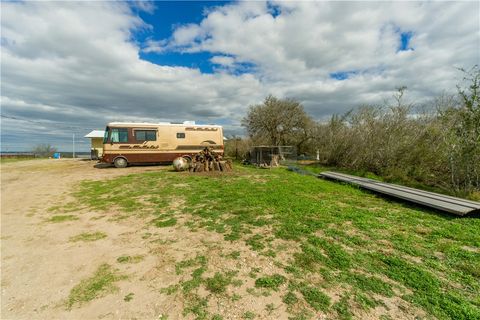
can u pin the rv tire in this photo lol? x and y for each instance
(120, 162)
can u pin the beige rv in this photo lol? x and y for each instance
(127, 143)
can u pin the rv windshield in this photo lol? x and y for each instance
(119, 135)
(105, 137)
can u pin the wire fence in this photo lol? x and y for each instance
(272, 156)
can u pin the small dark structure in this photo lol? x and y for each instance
(271, 156)
(438, 201)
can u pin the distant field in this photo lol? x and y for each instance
(323, 248)
(15, 159)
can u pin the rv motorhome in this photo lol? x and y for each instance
(133, 143)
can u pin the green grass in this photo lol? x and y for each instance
(316, 298)
(371, 284)
(99, 285)
(342, 308)
(197, 306)
(364, 301)
(128, 297)
(188, 263)
(170, 289)
(62, 218)
(163, 223)
(130, 259)
(270, 308)
(349, 240)
(235, 255)
(256, 242)
(270, 282)
(88, 236)
(218, 283)
(290, 298)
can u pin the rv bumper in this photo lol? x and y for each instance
(106, 158)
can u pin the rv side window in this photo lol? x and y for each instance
(119, 135)
(105, 136)
(145, 135)
(180, 135)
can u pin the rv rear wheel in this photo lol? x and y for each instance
(120, 163)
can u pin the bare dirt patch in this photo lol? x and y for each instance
(39, 263)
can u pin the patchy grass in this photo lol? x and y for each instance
(290, 298)
(371, 284)
(88, 236)
(100, 284)
(365, 302)
(315, 298)
(62, 218)
(270, 282)
(197, 306)
(130, 259)
(235, 255)
(4, 160)
(342, 308)
(188, 263)
(163, 223)
(218, 283)
(128, 297)
(359, 245)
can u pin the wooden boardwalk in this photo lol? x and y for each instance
(438, 201)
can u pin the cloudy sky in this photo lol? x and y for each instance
(70, 67)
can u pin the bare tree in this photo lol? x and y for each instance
(278, 122)
(463, 136)
(237, 147)
(44, 150)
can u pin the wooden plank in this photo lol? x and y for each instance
(434, 200)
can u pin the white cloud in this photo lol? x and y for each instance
(223, 60)
(78, 63)
(312, 39)
(296, 51)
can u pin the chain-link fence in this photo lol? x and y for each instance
(272, 156)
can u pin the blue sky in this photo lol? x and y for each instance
(170, 14)
(69, 67)
(163, 20)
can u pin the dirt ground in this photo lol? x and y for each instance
(39, 265)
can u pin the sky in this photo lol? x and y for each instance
(71, 67)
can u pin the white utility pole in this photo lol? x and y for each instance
(73, 146)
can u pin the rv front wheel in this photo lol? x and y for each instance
(120, 163)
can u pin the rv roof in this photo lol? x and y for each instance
(140, 124)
